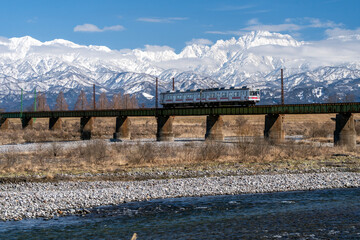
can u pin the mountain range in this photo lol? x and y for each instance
(318, 71)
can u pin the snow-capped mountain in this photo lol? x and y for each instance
(313, 70)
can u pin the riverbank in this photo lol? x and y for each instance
(52, 199)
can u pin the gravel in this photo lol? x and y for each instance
(47, 200)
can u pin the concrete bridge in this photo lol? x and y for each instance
(344, 134)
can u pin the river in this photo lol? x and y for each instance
(320, 214)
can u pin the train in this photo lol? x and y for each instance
(214, 97)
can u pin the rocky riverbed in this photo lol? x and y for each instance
(52, 199)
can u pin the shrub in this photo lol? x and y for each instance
(93, 151)
(9, 158)
(320, 130)
(210, 151)
(141, 153)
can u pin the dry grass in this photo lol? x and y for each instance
(98, 156)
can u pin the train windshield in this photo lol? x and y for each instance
(255, 93)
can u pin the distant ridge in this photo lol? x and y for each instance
(313, 70)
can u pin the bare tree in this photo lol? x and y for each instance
(116, 102)
(333, 98)
(126, 101)
(103, 102)
(349, 98)
(133, 102)
(82, 103)
(61, 104)
(41, 104)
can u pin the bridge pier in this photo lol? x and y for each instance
(27, 122)
(86, 126)
(4, 123)
(55, 123)
(165, 128)
(345, 134)
(214, 125)
(274, 130)
(122, 128)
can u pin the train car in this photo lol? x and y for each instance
(210, 97)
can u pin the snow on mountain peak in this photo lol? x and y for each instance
(260, 38)
(252, 59)
(22, 45)
(61, 42)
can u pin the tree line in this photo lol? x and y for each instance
(118, 101)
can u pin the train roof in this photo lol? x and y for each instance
(209, 89)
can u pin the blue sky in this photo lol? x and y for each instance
(134, 24)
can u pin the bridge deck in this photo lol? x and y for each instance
(255, 110)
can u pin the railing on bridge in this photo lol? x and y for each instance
(254, 110)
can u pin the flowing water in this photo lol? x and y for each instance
(321, 214)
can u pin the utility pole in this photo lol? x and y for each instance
(282, 86)
(173, 84)
(34, 119)
(21, 109)
(94, 96)
(35, 100)
(156, 93)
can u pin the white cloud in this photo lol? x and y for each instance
(253, 21)
(290, 25)
(161, 20)
(317, 23)
(87, 27)
(233, 8)
(32, 20)
(199, 41)
(274, 28)
(338, 32)
(237, 33)
(114, 28)
(317, 53)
